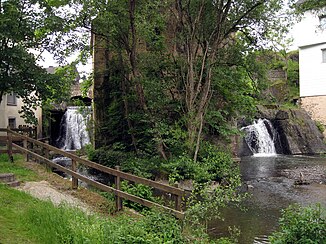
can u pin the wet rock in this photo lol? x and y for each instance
(299, 133)
(250, 187)
(282, 115)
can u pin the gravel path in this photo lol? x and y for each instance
(44, 191)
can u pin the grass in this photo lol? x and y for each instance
(24, 219)
(18, 168)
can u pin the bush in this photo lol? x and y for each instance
(139, 190)
(301, 225)
(320, 126)
(212, 165)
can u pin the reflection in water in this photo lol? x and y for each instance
(271, 183)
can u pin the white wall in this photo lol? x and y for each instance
(7, 111)
(312, 71)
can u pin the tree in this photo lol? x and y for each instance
(176, 68)
(211, 35)
(308, 5)
(27, 25)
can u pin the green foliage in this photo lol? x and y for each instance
(320, 126)
(42, 222)
(301, 225)
(139, 190)
(212, 165)
(144, 166)
(107, 157)
(17, 168)
(25, 26)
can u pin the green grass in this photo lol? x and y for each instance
(17, 168)
(13, 204)
(24, 219)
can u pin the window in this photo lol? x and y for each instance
(11, 99)
(323, 51)
(322, 22)
(12, 122)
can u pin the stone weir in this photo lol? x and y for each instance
(297, 132)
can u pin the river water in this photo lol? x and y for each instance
(273, 183)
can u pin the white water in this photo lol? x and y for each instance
(73, 129)
(259, 140)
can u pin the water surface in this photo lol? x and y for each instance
(273, 185)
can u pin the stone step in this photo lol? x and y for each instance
(13, 183)
(7, 177)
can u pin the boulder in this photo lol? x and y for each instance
(298, 133)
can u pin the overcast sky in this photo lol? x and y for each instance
(307, 32)
(303, 33)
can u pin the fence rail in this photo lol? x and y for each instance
(43, 153)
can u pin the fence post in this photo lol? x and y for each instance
(25, 146)
(178, 199)
(118, 200)
(74, 179)
(9, 145)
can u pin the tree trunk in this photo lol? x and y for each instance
(133, 54)
(100, 87)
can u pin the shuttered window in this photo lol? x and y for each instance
(323, 55)
(11, 99)
(12, 123)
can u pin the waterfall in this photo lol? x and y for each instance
(73, 130)
(260, 137)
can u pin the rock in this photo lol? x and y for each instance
(281, 115)
(299, 133)
(250, 187)
(267, 112)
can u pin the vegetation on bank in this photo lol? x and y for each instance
(27, 220)
(301, 225)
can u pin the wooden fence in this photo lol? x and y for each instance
(41, 152)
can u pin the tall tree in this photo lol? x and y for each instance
(25, 26)
(209, 32)
(178, 65)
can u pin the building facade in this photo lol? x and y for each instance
(9, 112)
(312, 65)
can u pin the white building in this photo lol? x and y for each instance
(311, 38)
(9, 112)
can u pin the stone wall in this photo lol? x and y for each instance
(316, 108)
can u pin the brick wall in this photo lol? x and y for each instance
(316, 108)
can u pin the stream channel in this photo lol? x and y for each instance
(272, 183)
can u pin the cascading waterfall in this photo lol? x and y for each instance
(260, 137)
(73, 129)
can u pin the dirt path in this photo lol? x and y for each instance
(44, 191)
(50, 186)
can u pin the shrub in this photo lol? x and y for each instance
(139, 190)
(301, 225)
(320, 126)
(212, 165)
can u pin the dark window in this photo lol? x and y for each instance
(11, 99)
(12, 123)
(322, 22)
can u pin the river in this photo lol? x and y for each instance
(273, 184)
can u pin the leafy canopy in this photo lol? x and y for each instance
(26, 26)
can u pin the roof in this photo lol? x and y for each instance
(312, 44)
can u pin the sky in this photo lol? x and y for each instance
(307, 32)
(303, 33)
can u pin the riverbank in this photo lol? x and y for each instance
(25, 219)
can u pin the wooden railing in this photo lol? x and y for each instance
(41, 152)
